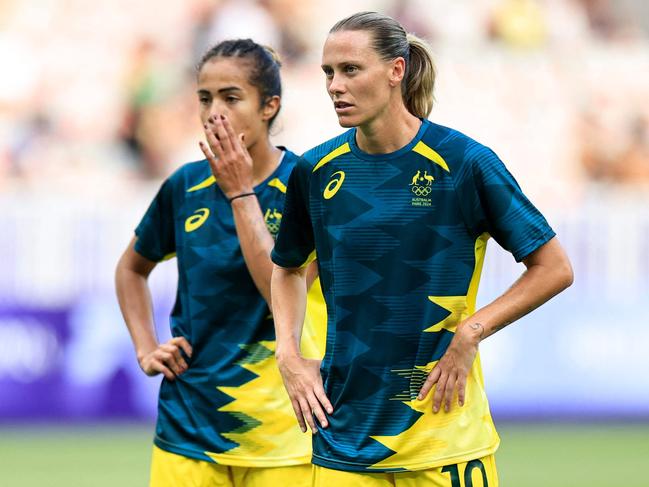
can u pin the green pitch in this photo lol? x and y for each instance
(531, 455)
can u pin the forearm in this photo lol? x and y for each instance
(255, 241)
(530, 291)
(548, 273)
(136, 306)
(289, 305)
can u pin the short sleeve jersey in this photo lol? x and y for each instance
(400, 240)
(230, 406)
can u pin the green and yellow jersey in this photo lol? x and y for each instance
(401, 239)
(230, 406)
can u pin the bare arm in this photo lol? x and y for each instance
(301, 376)
(131, 283)
(256, 242)
(311, 274)
(548, 273)
(232, 167)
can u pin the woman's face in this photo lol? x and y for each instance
(359, 82)
(224, 89)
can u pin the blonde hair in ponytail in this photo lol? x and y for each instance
(390, 41)
(419, 82)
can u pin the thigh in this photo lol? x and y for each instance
(295, 476)
(475, 473)
(327, 477)
(171, 470)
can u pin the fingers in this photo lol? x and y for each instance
(431, 380)
(298, 414)
(304, 386)
(184, 344)
(235, 141)
(446, 383)
(207, 153)
(174, 359)
(167, 359)
(319, 392)
(307, 414)
(316, 409)
(213, 142)
(156, 367)
(461, 389)
(450, 389)
(439, 391)
(226, 137)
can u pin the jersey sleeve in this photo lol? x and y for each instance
(493, 202)
(295, 241)
(155, 233)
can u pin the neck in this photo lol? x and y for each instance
(265, 158)
(388, 132)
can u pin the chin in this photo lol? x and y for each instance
(347, 122)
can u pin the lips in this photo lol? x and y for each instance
(342, 107)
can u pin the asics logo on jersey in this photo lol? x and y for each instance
(195, 221)
(334, 185)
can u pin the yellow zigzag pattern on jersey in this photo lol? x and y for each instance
(270, 430)
(436, 435)
(421, 443)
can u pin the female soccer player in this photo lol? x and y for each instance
(223, 416)
(399, 211)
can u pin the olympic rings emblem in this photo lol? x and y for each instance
(273, 227)
(421, 190)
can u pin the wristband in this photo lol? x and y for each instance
(242, 195)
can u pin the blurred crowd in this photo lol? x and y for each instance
(97, 93)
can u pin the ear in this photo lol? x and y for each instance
(397, 71)
(270, 108)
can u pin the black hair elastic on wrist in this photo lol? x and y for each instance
(241, 196)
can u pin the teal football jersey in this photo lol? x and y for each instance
(400, 240)
(230, 405)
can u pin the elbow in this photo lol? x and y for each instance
(565, 274)
(119, 271)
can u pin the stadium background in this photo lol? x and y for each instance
(97, 106)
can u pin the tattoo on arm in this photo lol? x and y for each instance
(477, 327)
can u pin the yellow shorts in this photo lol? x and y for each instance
(476, 473)
(171, 470)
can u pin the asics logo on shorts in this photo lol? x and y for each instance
(334, 185)
(195, 221)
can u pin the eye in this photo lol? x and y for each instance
(231, 99)
(351, 69)
(204, 100)
(329, 73)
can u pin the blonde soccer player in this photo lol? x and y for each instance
(399, 210)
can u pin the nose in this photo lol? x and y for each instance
(218, 108)
(336, 85)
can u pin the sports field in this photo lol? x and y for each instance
(538, 455)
